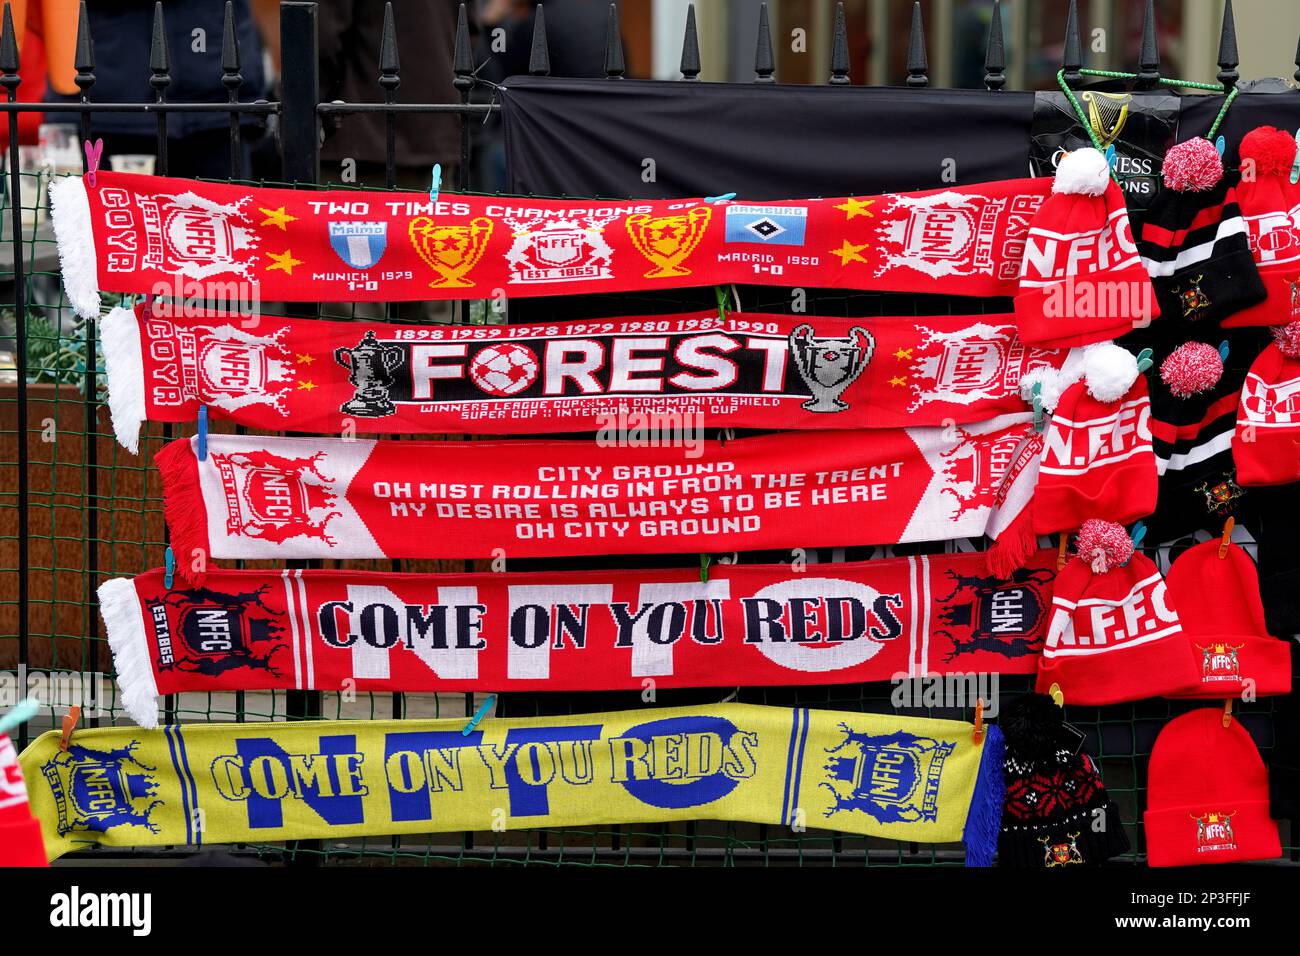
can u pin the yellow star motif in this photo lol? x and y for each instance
(307, 386)
(305, 359)
(852, 208)
(903, 354)
(848, 252)
(277, 217)
(283, 261)
(898, 380)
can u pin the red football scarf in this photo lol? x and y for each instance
(189, 239)
(585, 630)
(280, 498)
(747, 370)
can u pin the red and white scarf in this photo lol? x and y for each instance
(741, 370)
(574, 630)
(194, 240)
(283, 498)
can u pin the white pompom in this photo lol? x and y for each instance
(1082, 172)
(1109, 370)
(1052, 382)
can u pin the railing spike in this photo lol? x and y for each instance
(764, 64)
(539, 56)
(918, 63)
(1149, 58)
(230, 63)
(9, 52)
(462, 61)
(1072, 55)
(1228, 58)
(995, 59)
(690, 47)
(840, 49)
(615, 66)
(160, 59)
(389, 62)
(85, 54)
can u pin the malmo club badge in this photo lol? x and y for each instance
(894, 778)
(99, 789)
(1214, 831)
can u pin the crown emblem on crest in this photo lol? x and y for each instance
(1214, 831)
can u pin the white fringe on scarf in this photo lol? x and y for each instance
(124, 362)
(120, 608)
(70, 213)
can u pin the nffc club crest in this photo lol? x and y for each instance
(939, 234)
(978, 363)
(997, 615)
(231, 369)
(978, 469)
(1214, 831)
(96, 790)
(197, 237)
(830, 365)
(201, 631)
(559, 251)
(1220, 662)
(273, 498)
(893, 778)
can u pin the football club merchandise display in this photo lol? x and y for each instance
(901, 778)
(1114, 635)
(1270, 203)
(1194, 242)
(574, 630)
(1215, 588)
(280, 498)
(130, 233)
(738, 370)
(1057, 812)
(1082, 280)
(1207, 794)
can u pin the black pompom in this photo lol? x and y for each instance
(1031, 725)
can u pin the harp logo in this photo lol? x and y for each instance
(1107, 114)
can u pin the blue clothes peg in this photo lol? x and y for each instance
(479, 715)
(435, 184)
(1295, 167)
(1220, 144)
(203, 433)
(19, 714)
(1223, 350)
(1144, 360)
(169, 567)
(717, 199)
(1037, 393)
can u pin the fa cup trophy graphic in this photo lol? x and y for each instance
(829, 365)
(450, 250)
(371, 364)
(668, 241)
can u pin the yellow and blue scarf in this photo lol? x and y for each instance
(907, 779)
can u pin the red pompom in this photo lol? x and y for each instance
(1288, 339)
(1193, 166)
(1272, 149)
(1104, 544)
(1192, 368)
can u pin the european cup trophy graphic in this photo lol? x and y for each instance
(450, 250)
(829, 365)
(371, 365)
(668, 241)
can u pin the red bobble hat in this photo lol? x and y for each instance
(1266, 441)
(21, 843)
(1098, 461)
(1207, 795)
(1223, 618)
(1081, 279)
(1270, 204)
(1114, 635)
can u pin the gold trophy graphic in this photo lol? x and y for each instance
(450, 251)
(668, 241)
